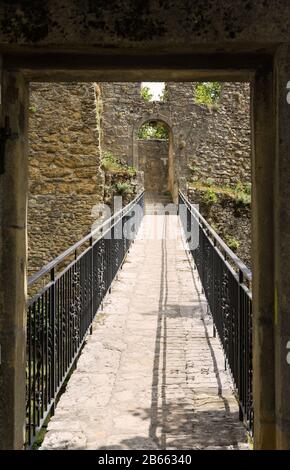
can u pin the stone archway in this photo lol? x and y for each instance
(172, 173)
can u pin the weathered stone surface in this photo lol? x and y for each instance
(155, 25)
(65, 177)
(153, 161)
(151, 376)
(229, 218)
(205, 142)
(13, 240)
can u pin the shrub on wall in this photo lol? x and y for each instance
(146, 93)
(112, 164)
(228, 216)
(120, 178)
(209, 196)
(208, 93)
(125, 187)
(243, 194)
(232, 243)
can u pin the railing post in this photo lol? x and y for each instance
(213, 288)
(201, 258)
(240, 344)
(53, 353)
(92, 285)
(110, 258)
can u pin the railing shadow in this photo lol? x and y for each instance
(175, 423)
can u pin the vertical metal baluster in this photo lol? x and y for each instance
(69, 315)
(47, 310)
(34, 370)
(43, 353)
(83, 295)
(38, 359)
(53, 339)
(58, 311)
(66, 320)
(111, 254)
(91, 288)
(78, 317)
(29, 332)
(245, 349)
(240, 323)
(63, 316)
(49, 349)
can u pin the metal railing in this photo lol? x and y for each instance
(226, 282)
(60, 315)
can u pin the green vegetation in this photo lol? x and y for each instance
(241, 194)
(236, 202)
(32, 108)
(232, 243)
(112, 164)
(210, 197)
(153, 130)
(41, 434)
(124, 187)
(208, 93)
(164, 94)
(119, 178)
(146, 93)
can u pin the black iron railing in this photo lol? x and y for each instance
(226, 282)
(61, 314)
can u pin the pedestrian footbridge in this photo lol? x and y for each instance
(142, 341)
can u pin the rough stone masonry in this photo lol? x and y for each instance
(72, 124)
(207, 141)
(65, 177)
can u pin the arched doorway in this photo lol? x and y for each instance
(154, 155)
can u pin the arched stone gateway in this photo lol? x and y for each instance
(96, 41)
(195, 149)
(165, 165)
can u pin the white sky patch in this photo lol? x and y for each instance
(156, 88)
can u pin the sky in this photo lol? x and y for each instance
(156, 88)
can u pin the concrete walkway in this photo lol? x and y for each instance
(151, 376)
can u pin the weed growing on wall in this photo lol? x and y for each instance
(208, 93)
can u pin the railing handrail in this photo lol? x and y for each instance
(52, 264)
(230, 254)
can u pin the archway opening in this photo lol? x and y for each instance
(155, 157)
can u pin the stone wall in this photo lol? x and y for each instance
(229, 218)
(71, 122)
(165, 26)
(219, 140)
(65, 178)
(206, 142)
(153, 161)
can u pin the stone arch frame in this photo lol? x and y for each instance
(172, 167)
